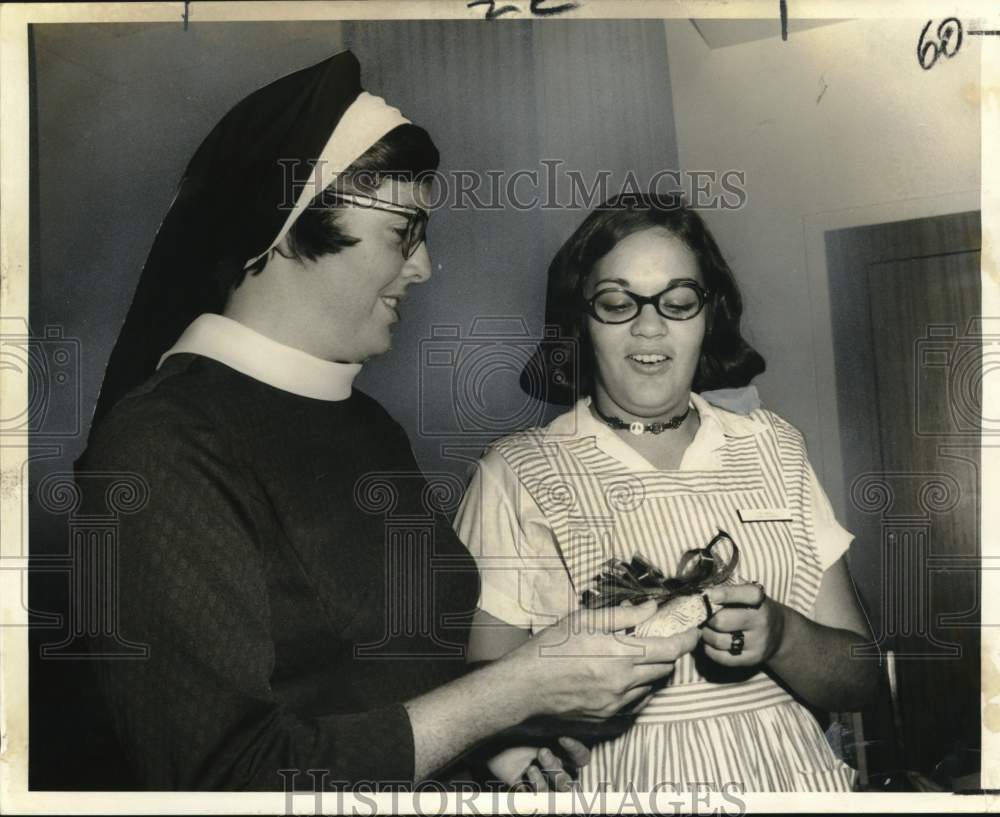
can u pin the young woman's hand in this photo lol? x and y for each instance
(584, 665)
(748, 630)
(538, 768)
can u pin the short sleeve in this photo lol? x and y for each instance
(522, 577)
(832, 540)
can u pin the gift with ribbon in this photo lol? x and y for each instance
(682, 599)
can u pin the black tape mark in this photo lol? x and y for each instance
(783, 10)
(186, 12)
(536, 8)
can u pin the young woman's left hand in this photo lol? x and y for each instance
(747, 611)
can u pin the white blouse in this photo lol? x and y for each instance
(524, 580)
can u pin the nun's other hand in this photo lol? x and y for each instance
(538, 768)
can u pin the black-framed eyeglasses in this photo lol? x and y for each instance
(680, 301)
(416, 217)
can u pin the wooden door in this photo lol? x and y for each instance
(926, 362)
(905, 300)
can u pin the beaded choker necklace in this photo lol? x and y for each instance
(638, 428)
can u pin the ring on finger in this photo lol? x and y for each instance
(738, 639)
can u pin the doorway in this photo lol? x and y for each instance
(905, 305)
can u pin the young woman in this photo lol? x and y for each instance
(643, 464)
(255, 562)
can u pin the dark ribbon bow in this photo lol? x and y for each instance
(638, 581)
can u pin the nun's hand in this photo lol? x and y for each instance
(538, 768)
(585, 665)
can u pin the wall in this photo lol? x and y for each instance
(838, 126)
(505, 98)
(119, 110)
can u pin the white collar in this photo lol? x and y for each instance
(730, 423)
(241, 348)
(716, 424)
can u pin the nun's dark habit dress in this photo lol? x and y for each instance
(290, 607)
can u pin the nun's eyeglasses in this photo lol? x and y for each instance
(681, 301)
(416, 217)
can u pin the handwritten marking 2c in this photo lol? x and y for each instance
(949, 41)
(537, 8)
(492, 12)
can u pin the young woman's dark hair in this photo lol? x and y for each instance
(406, 154)
(726, 360)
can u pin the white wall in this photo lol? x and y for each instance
(838, 126)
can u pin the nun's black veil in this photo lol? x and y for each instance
(232, 201)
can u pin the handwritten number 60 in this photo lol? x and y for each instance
(949, 40)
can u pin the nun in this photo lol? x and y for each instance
(255, 571)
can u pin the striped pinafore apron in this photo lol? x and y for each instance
(711, 727)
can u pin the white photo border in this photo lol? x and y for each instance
(14, 187)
